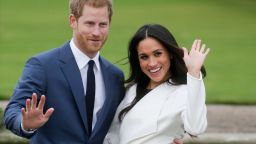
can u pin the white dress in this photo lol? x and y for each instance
(165, 113)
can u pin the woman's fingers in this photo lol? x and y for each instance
(185, 51)
(207, 51)
(194, 45)
(202, 48)
(198, 44)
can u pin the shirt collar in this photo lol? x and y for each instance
(81, 58)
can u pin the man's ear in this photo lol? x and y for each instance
(72, 21)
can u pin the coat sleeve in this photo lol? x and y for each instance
(194, 116)
(32, 80)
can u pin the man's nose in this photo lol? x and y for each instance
(96, 31)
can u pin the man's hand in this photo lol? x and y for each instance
(33, 117)
(177, 141)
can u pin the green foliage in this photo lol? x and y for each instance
(226, 26)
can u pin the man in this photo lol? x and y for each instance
(61, 75)
(69, 94)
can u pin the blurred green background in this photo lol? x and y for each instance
(228, 27)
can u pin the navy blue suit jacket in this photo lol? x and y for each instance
(56, 75)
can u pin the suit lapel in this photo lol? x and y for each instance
(73, 76)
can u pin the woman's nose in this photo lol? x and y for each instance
(152, 62)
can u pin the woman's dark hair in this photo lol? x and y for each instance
(178, 69)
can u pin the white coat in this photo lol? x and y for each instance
(165, 113)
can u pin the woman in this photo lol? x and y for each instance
(165, 95)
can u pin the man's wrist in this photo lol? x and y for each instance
(28, 131)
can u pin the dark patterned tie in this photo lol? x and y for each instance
(90, 94)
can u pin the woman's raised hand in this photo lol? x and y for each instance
(195, 58)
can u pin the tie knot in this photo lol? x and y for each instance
(91, 63)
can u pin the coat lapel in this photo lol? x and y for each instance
(73, 76)
(146, 111)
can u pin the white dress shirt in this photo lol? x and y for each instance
(82, 63)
